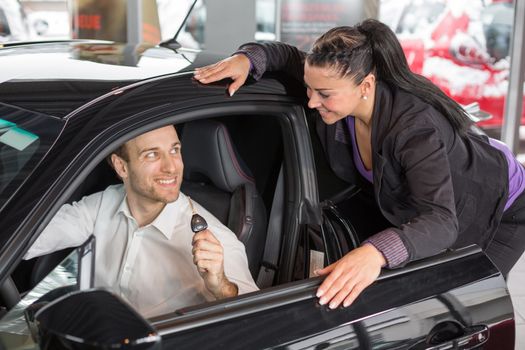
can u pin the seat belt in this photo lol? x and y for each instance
(273, 236)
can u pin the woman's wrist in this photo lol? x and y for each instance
(381, 260)
(391, 247)
(257, 57)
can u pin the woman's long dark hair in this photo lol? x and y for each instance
(372, 47)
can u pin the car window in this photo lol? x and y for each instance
(74, 272)
(63, 276)
(24, 139)
(257, 166)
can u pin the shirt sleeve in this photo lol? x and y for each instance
(70, 227)
(235, 259)
(236, 268)
(274, 57)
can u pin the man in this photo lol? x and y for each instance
(146, 251)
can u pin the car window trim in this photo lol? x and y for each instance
(242, 305)
(99, 147)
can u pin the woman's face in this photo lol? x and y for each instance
(334, 97)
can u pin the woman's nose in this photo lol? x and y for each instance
(314, 101)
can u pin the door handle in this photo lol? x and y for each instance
(451, 335)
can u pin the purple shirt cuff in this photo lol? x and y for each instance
(257, 57)
(391, 246)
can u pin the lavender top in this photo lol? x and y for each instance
(387, 241)
(516, 172)
(367, 174)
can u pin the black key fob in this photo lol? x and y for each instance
(198, 223)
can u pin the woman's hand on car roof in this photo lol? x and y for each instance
(236, 67)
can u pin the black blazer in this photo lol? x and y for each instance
(438, 189)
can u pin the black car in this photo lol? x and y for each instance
(64, 106)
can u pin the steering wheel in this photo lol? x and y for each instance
(9, 295)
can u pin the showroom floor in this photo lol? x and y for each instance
(517, 292)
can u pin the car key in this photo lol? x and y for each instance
(198, 223)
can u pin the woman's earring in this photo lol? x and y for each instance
(364, 97)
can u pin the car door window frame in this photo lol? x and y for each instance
(97, 150)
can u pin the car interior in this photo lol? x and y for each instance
(218, 178)
(231, 165)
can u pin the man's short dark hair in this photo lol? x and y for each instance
(122, 152)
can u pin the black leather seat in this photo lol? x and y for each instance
(217, 178)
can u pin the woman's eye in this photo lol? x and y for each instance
(323, 95)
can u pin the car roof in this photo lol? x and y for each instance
(56, 78)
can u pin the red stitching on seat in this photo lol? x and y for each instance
(234, 158)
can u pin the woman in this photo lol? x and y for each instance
(439, 184)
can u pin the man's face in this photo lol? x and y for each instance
(153, 172)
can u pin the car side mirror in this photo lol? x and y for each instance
(475, 113)
(92, 319)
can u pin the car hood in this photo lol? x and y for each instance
(103, 61)
(71, 73)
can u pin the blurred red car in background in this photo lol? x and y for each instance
(462, 46)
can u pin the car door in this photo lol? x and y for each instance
(456, 300)
(443, 302)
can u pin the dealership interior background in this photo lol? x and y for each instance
(473, 49)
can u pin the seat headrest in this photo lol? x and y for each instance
(207, 151)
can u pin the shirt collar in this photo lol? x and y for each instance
(167, 218)
(124, 209)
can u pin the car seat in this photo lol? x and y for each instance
(217, 178)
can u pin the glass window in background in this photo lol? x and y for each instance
(171, 14)
(304, 21)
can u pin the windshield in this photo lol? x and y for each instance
(25, 137)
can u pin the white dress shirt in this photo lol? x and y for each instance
(152, 266)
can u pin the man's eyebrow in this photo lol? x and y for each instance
(175, 144)
(148, 150)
